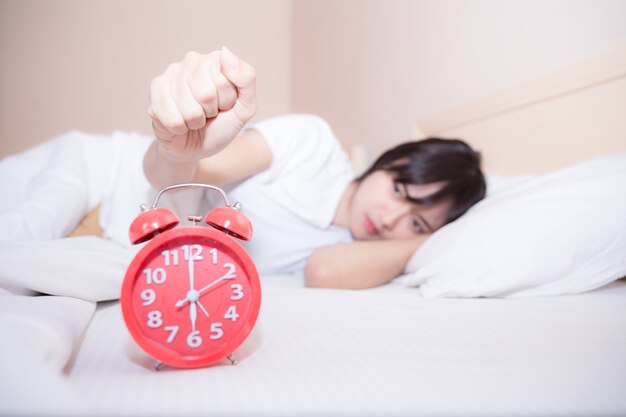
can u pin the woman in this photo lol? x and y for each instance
(295, 182)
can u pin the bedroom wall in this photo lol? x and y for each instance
(374, 67)
(371, 67)
(73, 64)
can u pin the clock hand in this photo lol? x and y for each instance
(190, 264)
(206, 313)
(206, 287)
(192, 297)
(193, 314)
(191, 294)
(182, 302)
(227, 275)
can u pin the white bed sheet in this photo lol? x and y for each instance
(383, 351)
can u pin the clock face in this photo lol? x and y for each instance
(191, 296)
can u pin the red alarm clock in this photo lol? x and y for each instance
(191, 295)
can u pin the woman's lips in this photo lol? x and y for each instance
(370, 227)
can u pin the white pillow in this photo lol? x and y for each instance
(86, 267)
(557, 233)
(39, 337)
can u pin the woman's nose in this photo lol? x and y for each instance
(393, 213)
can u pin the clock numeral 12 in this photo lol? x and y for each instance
(195, 251)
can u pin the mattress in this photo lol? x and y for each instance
(382, 351)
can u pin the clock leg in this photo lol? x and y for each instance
(232, 359)
(157, 366)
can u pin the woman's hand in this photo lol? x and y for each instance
(199, 105)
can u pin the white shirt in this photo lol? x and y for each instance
(292, 204)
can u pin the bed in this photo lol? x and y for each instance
(479, 338)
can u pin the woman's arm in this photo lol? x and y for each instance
(198, 106)
(360, 264)
(247, 155)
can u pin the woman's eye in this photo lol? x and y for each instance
(417, 227)
(397, 189)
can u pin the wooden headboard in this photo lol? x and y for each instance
(571, 115)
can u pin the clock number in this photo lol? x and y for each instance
(148, 296)
(195, 251)
(154, 319)
(216, 331)
(231, 271)
(231, 313)
(170, 257)
(173, 331)
(194, 340)
(213, 253)
(158, 276)
(237, 292)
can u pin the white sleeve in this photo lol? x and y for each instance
(309, 171)
(47, 189)
(302, 145)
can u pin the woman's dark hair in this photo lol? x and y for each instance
(450, 161)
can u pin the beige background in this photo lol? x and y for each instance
(371, 67)
(547, 123)
(75, 64)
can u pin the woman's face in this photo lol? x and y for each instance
(379, 209)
